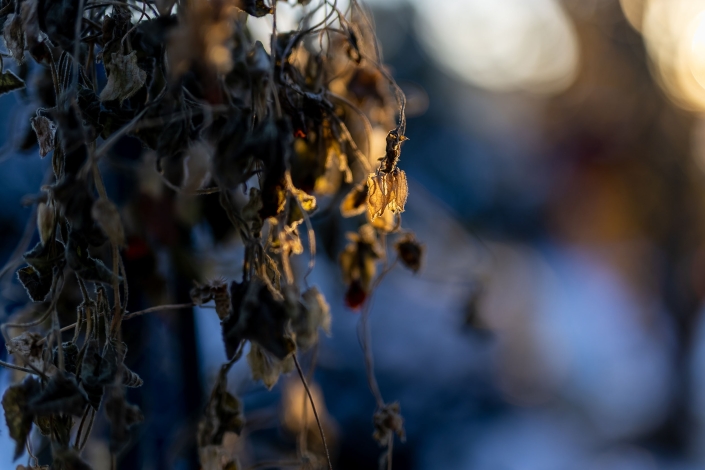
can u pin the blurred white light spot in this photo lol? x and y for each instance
(502, 45)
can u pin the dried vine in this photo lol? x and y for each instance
(274, 133)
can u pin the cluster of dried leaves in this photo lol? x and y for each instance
(275, 134)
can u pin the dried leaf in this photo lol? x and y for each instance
(388, 421)
(355, 202)
(256, 8)
(36, 285)
(386, 191)
(10, 82)
(216, 290)
(45, 222)
(313, 313)
(125, 77)
(223, 414)
(257, 316)
(266, 367)
(107, 216)
(122, 416)
(358, 263)
(61, 395)
(46, 133)
(70, 351)
(13, 33)
(27, 350)
(410, 251)
(67, 459)
(17, 415)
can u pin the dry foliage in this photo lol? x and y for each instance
(220, 111)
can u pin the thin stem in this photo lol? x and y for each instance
(80, 426)
(315, 412)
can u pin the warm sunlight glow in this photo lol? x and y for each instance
(502, 45)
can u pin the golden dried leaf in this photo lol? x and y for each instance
(46, 132)
(355, 202)
(125, 77)
(386, 222)
(386, 191)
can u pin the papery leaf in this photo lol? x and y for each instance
(313, 313)
(27, 349)
(266, 367)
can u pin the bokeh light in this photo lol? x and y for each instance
(502, 45)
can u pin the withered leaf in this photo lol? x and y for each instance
(17, 415)
(410, 251)
(70, 351)
(256, 8)
(99, 370)
(61, 395)
(355, 202)
(28, 351)
(358, 263)
(313, 313)
(223, 414)
(67, 459)
(300, 200)
(36, 285)
(13, 33)
(46, 133)
(107, 216)
(87, 268)
(45, 222)
(388, 421)
(260, 318)
(122, 416)
(10, 82)
(266, 367)
(386, 191)
(125, 77)
(216, 290)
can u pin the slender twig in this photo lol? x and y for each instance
(315, 412)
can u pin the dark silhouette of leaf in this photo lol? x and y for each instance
(37, 286)
(122, 416)
(61, 395)
(410, 251)
(10, 82)
(15, 402)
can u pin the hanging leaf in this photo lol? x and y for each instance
(13, 33)
(125, 77)
(388, 421)
(107, 216)
(46, 133)
(387, 191)
(223, 414)
(266, 367)
(10, 82)
(61, 395)
(313, 313)
(410, 251)
(15, 402)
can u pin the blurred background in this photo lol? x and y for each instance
(557, 178)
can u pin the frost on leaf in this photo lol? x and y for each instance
(125, 77)
(388, 421)
(46, 131)
(10, 82)
(386, 191)
(13, 33)
(266, 367)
